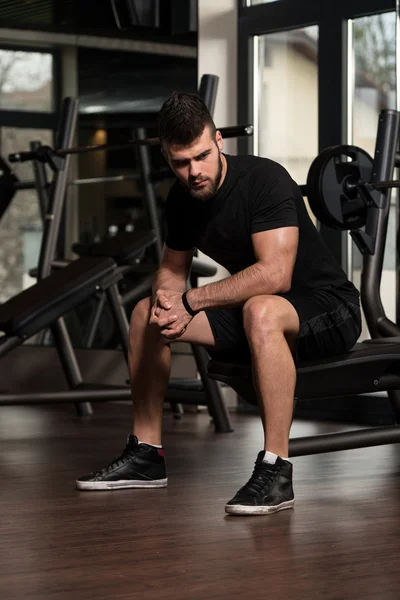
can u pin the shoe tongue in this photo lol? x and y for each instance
(132, 440)
(260, 456)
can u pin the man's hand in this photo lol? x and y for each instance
(169, 314)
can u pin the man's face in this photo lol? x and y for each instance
(198, 166)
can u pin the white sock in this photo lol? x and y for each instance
(270, 458)
(147, 443)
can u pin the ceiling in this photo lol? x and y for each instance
(173, 21)
(131, 82)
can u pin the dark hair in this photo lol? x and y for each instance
(182, 119)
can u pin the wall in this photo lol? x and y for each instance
(217, 55)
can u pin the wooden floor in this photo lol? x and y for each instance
(341, 541)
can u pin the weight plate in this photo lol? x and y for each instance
(332, 186)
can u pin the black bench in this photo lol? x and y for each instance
(43, 303)
(120, 249)
(371, 366)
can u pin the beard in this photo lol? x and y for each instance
(209, 190)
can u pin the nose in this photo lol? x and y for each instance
(194, 170)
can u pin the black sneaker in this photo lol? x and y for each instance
(268, 490)
(139, 466)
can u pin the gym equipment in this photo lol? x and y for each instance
(46, 154)
(336, 174)
(373, 365)
(343, 192)
(50, 156)
(45, 303)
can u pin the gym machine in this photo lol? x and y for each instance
(57, 292)
(347, 190)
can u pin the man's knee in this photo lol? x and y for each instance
(140, 322)
(263, 315)
(258, 314)
(141, 313)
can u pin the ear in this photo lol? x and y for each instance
(165, 155)
(219, 140)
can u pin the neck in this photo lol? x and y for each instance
(224, 170)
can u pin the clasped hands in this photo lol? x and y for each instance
(169, 314)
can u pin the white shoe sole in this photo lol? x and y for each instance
(121, 485)
(242, 509)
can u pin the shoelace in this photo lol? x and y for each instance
(263, 475)
(128, 452)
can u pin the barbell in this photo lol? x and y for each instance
(44, 153)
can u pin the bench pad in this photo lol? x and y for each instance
(40, 305)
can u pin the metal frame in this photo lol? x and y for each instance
(54, 200)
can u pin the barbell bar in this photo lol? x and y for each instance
(43, 152)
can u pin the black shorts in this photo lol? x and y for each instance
(328, 325)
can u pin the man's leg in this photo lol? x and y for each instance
(142, 464)
(271, 325)
(150, 366)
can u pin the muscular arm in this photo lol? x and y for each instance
(275, 251)
(173, 272)
(171, 277)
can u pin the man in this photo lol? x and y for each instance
(286, 300)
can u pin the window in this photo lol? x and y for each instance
(285, 98)
(26, 81)
(27, 113)
(20, 226)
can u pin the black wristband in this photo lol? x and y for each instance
(187, 306)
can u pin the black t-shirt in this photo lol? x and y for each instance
(256, 195)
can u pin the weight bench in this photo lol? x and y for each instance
(44, 304)
(371, 366)
(116, 248)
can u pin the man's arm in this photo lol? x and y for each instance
(171, 276)
(275, 251)
(174, 270)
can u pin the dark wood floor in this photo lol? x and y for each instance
(341, 541)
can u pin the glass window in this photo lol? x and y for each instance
(373, 68)
(286, 98)
(26, 80)
(20, 226)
